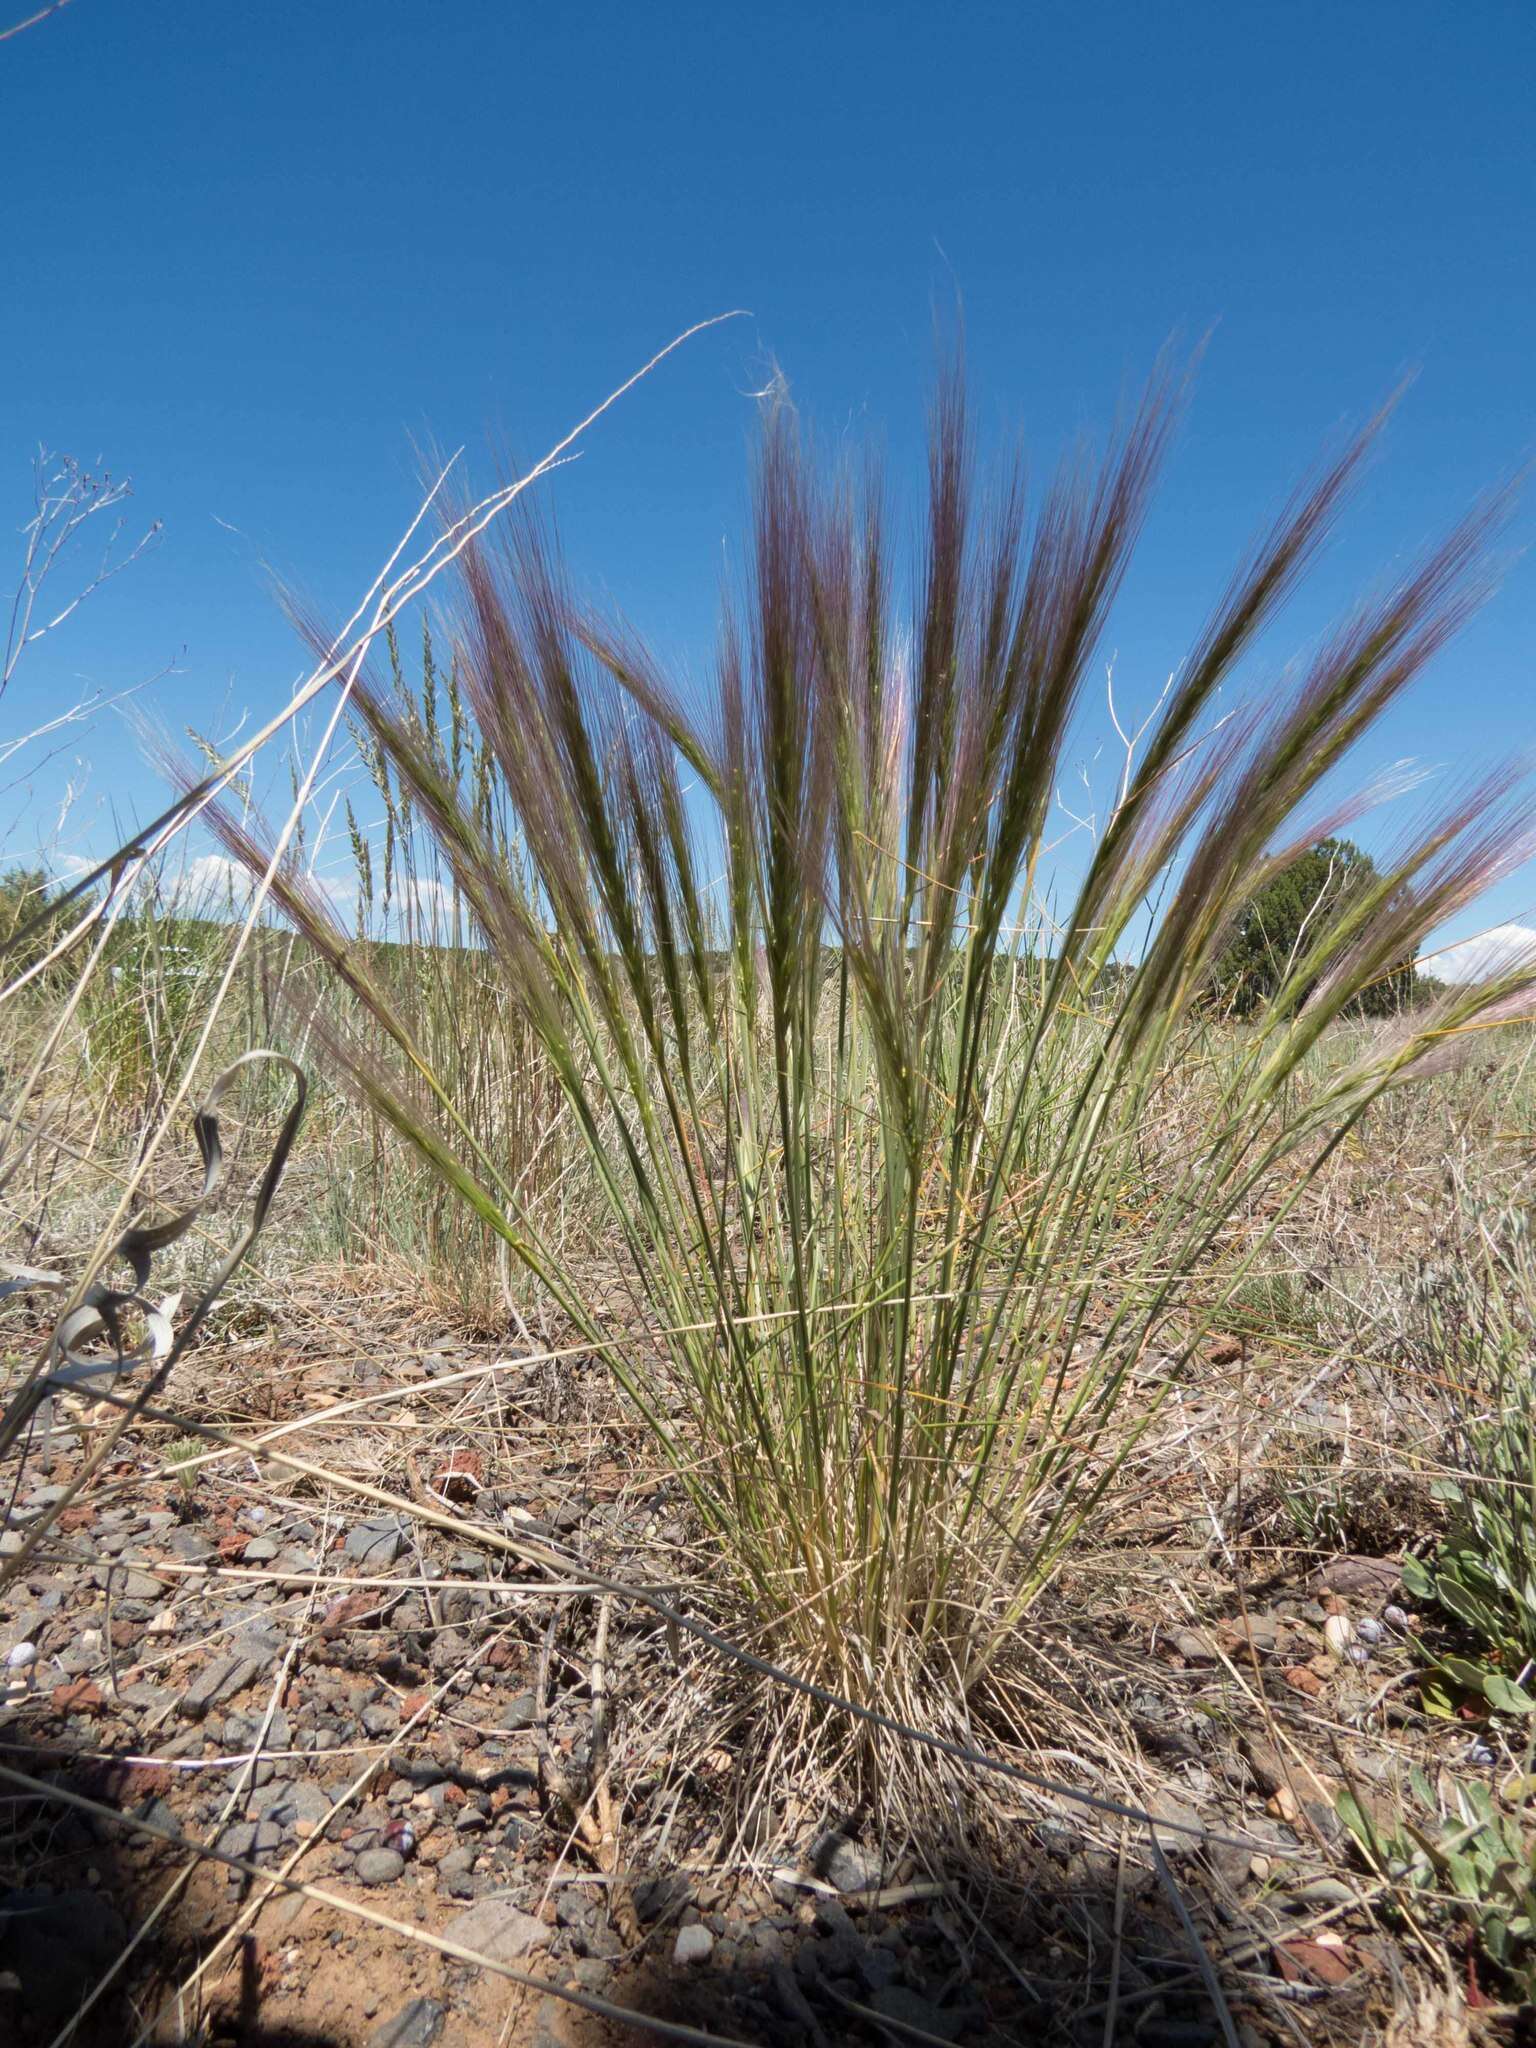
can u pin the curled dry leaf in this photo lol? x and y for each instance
(460, 1476)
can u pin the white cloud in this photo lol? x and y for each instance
(207, 885)
(212, 885)
(1491, 952)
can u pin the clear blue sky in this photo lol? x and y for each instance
(253, 251)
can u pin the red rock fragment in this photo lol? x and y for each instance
(348, 1612)
(1300, 1679)
(1300, 1961)
(81, 1696)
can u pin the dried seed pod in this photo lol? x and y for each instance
(1394, 1617)
(1338, 1633)
(1370, 1630)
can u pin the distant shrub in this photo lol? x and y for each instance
(25, 892)
(1288, 916)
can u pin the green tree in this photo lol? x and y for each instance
(1289, 912)
(24, 891)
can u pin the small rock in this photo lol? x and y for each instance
(693, 1945)
(260, 1550)
(1338, 1633)
(207, 1687)
(376, 1543)
(309, 1802)
(20, 1656)
(379, 1866)
(792, 2002)
(1194, 1646)
(848, 1865)
(1376, 1578)
(416, 2025)
(139, 1586)
(1175, 1814)
(497, 1929)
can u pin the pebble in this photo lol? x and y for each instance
(416, 2025)
(1175, 1813)
(848, 1865)
(379, 1866)
(260, 1550)
(496, 1928)
(1194, 1646)
(18, 1658)
(375, 1543)
(1338, 1633)
(136, 1585)
(693, 1945)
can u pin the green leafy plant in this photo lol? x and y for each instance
(885, 1152)
(1483, 1571)
(1480, 1860)
(180, 1457)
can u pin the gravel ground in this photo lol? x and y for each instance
(388, 1712)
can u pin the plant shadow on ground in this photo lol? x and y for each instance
(75, 1890)
(1081, 1948)
(1070, 1943)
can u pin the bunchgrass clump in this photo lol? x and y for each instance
(890, 1160)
